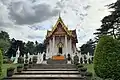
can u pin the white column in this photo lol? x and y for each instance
(47, 54)
(70, 47)
(53, 52)
(50, 49)
(66, 45)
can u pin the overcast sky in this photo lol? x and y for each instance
(30, 19)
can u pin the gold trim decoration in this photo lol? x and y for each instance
(60, 44)
(63, 25)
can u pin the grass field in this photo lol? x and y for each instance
(89, 68)
(4, 69)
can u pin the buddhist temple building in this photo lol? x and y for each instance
(60, 40)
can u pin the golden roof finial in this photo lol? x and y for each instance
(59, 14)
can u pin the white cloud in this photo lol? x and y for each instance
(83, 15)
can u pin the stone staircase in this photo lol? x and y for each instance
(48, 72)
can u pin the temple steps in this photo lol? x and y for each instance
(51, 73)
(51, 69)
(51, 66)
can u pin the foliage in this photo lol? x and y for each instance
(34, 59)
(1, 62)
(20, 60)
(4, 45)
(110, 24)
(30, 47)
(79, 66)
(4, 41)
(83, 69)
(88, 47)
(10, 69)
(40, 48)
(106, 59)
(19, 66)
(88, 74)
(4, 35)
(26, 61)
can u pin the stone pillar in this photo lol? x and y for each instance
(53, 52)
(66, 45)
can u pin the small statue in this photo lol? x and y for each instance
(44, 57)
(69, 57)
(76, 59)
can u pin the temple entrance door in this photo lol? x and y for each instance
(60, 50)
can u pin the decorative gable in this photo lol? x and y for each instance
(59, 28)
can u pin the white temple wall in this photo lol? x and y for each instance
(49, 49)
(57, 40)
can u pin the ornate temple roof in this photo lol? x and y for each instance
(71, 33)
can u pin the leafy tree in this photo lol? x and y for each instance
(88, 47)
(4, 41)
(110, 24)
(1, 62)
(106, 59)
(4, 35)
(30, 47)
(4, 45)
(40, 48)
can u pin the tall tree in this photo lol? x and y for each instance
(30, 47)
(4, 41)
(88, 47)
(4, 35)
(111, 23)
(4, 45)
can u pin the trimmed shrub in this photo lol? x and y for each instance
(79, 66)
(107, 58)
(83, 69)
(5, 61)
(34, 59)
(26, 61)
(20, 60)
(88, 74)
(1, 62)
(10, 71)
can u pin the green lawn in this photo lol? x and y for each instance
(4, 69)
(89, 68)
